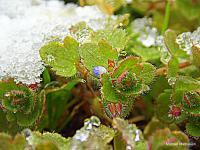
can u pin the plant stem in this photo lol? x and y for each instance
(166, 18)
(163, 70)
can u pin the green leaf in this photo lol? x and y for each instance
(111, 96)
(46, 77)
(53, 139)
(173, 67)
(193, 129)
(144, 71)
(127, 64)
(97, 55)
(147, 73)
(107, 91)
(154, 125)
(164, 101)
(20, 103)
(150, 53)
(81, 32)
(172, 46)
(162, 108)
(185, 83)
(117, 38)
(192, 103)
(62, 58)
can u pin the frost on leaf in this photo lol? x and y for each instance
(92, 135)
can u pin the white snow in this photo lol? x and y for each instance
(26, 25)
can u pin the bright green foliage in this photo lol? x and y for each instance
(165, 102)
(185, 83)
(172, 46)
(34, 140)
(150, 53)
(166, 139)
(128, 64)
(115, 37)
(193, 129)
(173, 68)
(20, 103)
(81, 32)
(127, 71)
(128, 80)
(192, 103)
(54, 140)
(62, 58)
(181, 106)
(110, 95)
(97, 54)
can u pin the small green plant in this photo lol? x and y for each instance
(130, 72)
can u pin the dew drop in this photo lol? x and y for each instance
(28, 135)
(172, 80)
(137, 137)
(128, 147)
(27, 132)
(50, 58)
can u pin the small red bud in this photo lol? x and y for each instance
(175, 111)
(34, 86)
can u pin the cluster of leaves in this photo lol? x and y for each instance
(182, 100)
(123, 70)
(20, 103)
(122, 80)
(94, 135)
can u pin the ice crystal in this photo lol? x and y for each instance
(26, 25)
(187, 39)
(165, 55)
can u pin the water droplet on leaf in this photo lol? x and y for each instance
(172, 80)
